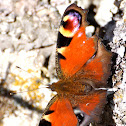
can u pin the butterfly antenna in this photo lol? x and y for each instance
(25, 71)
(19, 92)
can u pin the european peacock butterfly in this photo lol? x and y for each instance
(83, 64)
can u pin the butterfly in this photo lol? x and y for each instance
(83, 65)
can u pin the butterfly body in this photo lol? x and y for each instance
(83, 64)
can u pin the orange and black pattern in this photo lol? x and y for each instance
(82, 64)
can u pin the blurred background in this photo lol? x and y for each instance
(28, 35)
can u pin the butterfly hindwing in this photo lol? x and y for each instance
(97, 69)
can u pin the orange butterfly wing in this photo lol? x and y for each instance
(97, 69)
(74, 48)
(61, 114)
(77, 53)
